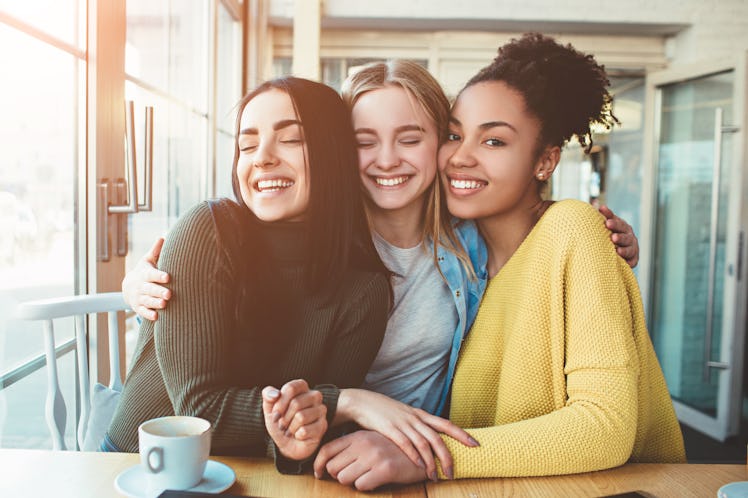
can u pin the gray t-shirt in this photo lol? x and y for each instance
(411, 365)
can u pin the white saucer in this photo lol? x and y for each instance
(734, 490)
(216, 478)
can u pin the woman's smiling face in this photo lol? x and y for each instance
(272, 167)
(397, 147)
(489, 161)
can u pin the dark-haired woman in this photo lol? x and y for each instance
(282, 284)
(558, 374)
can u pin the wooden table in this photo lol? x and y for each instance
(653, 480)
(47, 474)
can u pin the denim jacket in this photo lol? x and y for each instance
(466, 293)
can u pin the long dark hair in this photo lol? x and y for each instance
(337, 231)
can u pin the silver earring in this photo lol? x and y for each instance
(541, 176)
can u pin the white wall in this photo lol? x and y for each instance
(698, 29)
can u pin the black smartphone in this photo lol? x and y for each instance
(629, 494)
(172, 493)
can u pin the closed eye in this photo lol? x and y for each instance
(410, 141)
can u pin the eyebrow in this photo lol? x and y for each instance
(399, 129)
(276, 126)
(488, 125)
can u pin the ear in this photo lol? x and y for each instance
(547, 162)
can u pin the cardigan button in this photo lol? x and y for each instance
(457, 293)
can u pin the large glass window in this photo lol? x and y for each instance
(181, 58)
(42, 100)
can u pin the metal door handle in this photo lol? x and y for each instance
(719, 129)
(131, 172)
(110, 189)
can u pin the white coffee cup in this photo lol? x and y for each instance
(174, 451)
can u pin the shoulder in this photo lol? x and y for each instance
(574, 218)
(196, 231)
(195, 221)
(576, 230)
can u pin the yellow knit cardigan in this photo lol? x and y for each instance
(558, 374)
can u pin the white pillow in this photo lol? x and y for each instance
(103, 404)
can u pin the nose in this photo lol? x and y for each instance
(459, 155)
(387, 157)
(265, 156)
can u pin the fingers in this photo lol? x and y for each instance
(631, 255)
(146, 313)
(153, 274)
(269, 396)
(306, 415)
(351, 473)
(289, 392)
(153, 295)
(328, 452)
(295, 411)
(606, 211)
(449, 428)
(422, 445)
(312, 431)
(627, 246)
(155, 251)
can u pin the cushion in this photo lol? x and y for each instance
(103, 404)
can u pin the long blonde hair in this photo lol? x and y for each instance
(421, 85)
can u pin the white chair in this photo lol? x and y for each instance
(47, 310)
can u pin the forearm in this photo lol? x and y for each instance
(595, 430)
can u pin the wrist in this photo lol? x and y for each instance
(346, 407)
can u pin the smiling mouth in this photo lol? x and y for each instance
(390, 182)
(274, 185)
(466, 184)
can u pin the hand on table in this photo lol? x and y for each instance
(366, 460)
(414, 431)
(295, 418)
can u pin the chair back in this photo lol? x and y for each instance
(46, 310)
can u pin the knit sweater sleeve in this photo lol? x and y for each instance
(191, 342)
(593, 423)
(358, 336)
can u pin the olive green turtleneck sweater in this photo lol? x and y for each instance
(197, 360)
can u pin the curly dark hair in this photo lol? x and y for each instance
(564, 88)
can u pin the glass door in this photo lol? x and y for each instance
(183, 60)
(72, 66)
(697, 285)
(42, 204)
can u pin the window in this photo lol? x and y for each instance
(182, 58)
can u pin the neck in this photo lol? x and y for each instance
(402, 228)
(505, 232)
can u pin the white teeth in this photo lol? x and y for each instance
(273, 185)
(465, 184)
(390, 182)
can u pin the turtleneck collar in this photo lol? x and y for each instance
(287, 240)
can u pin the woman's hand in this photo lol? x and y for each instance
(413, 430)
(295, 418)
(366, 460)
(140, 286)
(627, 245)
